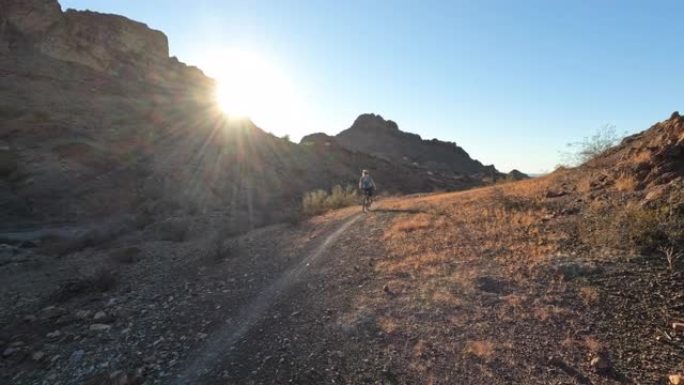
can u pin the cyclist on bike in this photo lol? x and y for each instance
(366, 184)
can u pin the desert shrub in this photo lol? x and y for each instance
(320, 201)
(626, 183)
(633, 226)
(101, 279)
(126, 255)
(221, 245)
(293, 216)
(513, 202)
(591, 146)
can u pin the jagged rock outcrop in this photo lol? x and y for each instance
(319, 139)
(107, 43)
(382, 138)
(647, 167)
(652, 157)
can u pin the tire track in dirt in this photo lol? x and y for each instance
(223, 340)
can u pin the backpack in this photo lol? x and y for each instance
(366, 182)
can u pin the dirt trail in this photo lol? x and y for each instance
(417, 291)
(223, 340)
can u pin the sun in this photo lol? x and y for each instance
(241, 79)
(250, 86)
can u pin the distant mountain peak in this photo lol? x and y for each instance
(372, 134)
(373, 121)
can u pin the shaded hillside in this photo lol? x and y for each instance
(531, 282)
(96, 120)
(382, 138)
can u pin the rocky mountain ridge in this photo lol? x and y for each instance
(97, 121)
(381, 138)
(103, 42)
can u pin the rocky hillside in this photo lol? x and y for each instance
(645, 166)
(382, 138)
(97, 121)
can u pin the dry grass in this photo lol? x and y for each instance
(545, 312)
(413, 223)
(626, 183)
(614, 223)
(593, 345)
(462, 268)
(320, 201)
(590, 295)
(481, 349)
(644, 155)
(447, 253)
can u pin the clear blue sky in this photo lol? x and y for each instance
(510, 81)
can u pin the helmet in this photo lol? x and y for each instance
(364, 172)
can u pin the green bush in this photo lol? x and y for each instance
(319, 201)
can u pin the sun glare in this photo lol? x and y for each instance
(249, 86)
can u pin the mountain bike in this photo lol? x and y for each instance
(367, 200)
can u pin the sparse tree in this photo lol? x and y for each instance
(670, 255)
(591, 146)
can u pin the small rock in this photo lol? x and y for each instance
(52, 312)
(100, 327)
(100, 315)
(555, 193)
(202, 335)
(54, 334)
(676, 379)
(37, 356)
(599, 363)
(386, 288)
(30, 318)
(121, 379)
(83, 314)
(8, 352)
(678, 326)
(76, 356)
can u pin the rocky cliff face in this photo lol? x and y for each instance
(102, 42)
(382, 138)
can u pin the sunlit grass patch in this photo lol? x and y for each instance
(482, 349)
(590, 295)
